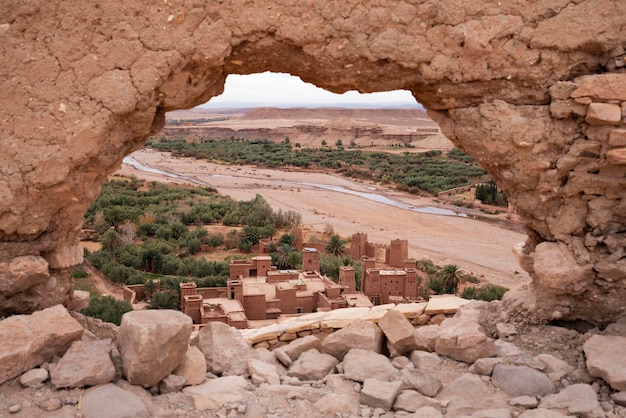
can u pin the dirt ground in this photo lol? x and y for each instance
(478, 247)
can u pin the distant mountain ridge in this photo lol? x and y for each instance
(347, 105)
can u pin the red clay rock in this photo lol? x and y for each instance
(152, 344)
(359, 334)
(399, 332)
(462, 338)
(605, 358)
(212, 340)
(29, 340)
(84, 364)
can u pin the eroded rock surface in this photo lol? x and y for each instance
(533, 91)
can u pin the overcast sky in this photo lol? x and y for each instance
(279, 88)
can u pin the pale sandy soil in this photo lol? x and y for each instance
(476, 246)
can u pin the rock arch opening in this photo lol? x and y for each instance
(540, 107)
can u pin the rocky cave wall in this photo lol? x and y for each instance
(534, 90)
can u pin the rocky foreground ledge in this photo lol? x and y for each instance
(475, 363)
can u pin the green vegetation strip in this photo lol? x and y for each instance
(431, 171)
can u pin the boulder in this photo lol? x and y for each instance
(618, 327)
(425, 361)
(426, 337)
(84, 364)
(603, 114)
(555, 367)
(262, 372)
(619, 398)
(193, 366)
(484, 366)
(527, 402)
(379, 394)
(342, 386)
(521, 381)
(428, 412)
(80, 300)
(359, 365)
(22, 273)
(360, 334)
(411, 401)
(152, 344)
(578, 399)
(605, 359)
(172, 383)
(289, 353)
(542, 413)
(506, 349)
(214, 338)
(34, 377)
(399, 332)
(312, 365)
(30, 340)
(462, 338)
(400, 362)
(336, 405)
(468, 394)
(505, 330)
(416, 379)
(111, 401)
(217, 392)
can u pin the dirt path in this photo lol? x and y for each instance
(102, 286)
(476, 246)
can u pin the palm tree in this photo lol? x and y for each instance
(163, 300)
(282, 258)
(149, 287)
(336, 245)
(287, 238)
(110, 241)
(451, 275)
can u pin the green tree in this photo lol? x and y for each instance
(163, 300)
(324, 143)
(451, 276)
(107, 308)
(149, 287)
(287, 238)
(282, 258)
(111, 241)
(336, 246)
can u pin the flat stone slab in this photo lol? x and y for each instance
(266, 333)
(340, 318)
(444, 304)
(412, 310)
(302, 323)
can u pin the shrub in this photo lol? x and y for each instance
(107, 308)
(487, 292)
(79, 273)
(436, 284)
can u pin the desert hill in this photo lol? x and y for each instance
(309, 127)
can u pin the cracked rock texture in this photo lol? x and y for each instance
(533, 90)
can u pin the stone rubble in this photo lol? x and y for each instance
(313, 383)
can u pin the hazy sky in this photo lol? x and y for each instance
(279, 88)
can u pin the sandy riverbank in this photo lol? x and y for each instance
(476, 246)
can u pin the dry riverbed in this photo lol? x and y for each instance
(480, 247)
